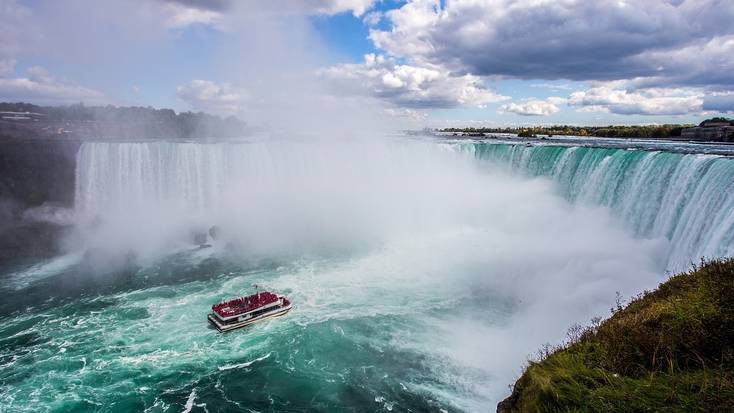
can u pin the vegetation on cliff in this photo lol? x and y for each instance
(668, 350)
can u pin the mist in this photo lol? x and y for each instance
(272, 59)
(409, 220)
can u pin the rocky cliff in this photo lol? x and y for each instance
(35, 176)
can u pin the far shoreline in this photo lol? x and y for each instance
(628, 143)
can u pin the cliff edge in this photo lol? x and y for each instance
(668, 350)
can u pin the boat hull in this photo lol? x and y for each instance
(222, 327)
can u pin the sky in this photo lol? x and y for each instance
(420, 62)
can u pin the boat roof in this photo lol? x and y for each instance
(243, 305)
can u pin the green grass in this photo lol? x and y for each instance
(669, 350)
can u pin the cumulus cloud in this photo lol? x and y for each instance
(357, 7)
(642, 57)
(534, 107)
(39, 86)
(653, 101)
(209, 96)
(182, 16)
(372, 18)
(548, 39)
(410, 86)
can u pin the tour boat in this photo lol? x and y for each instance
(243, 311)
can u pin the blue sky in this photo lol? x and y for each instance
(428, 63)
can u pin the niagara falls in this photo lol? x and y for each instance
(366, 206)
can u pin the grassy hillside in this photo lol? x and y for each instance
(670, 350)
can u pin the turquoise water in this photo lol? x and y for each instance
(142, 345)
(685, 198)
(423, 275)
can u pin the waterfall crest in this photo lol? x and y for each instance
(686, 198)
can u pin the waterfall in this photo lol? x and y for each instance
(686, 198)
(269, 195)
(131, 174)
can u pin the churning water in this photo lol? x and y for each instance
(423, 274)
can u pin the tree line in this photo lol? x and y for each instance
(635, 131)
(132, 121)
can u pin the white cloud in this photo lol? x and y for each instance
(357, 7)
(553, 86)
(534, 107)
(410, 86)
(372, 18)
(652, 101)
(209, 96)
(407, 113)
(182, 16)
(41, 87)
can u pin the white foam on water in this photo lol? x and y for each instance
(190, 401)
(40, 271)
(243, 365)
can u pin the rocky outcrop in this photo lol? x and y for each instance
(36, 177)
(34, 172)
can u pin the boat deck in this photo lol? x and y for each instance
(223, 327)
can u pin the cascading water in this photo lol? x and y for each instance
(686, 198)
(421, 279)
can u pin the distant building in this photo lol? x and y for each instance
(717, 129)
